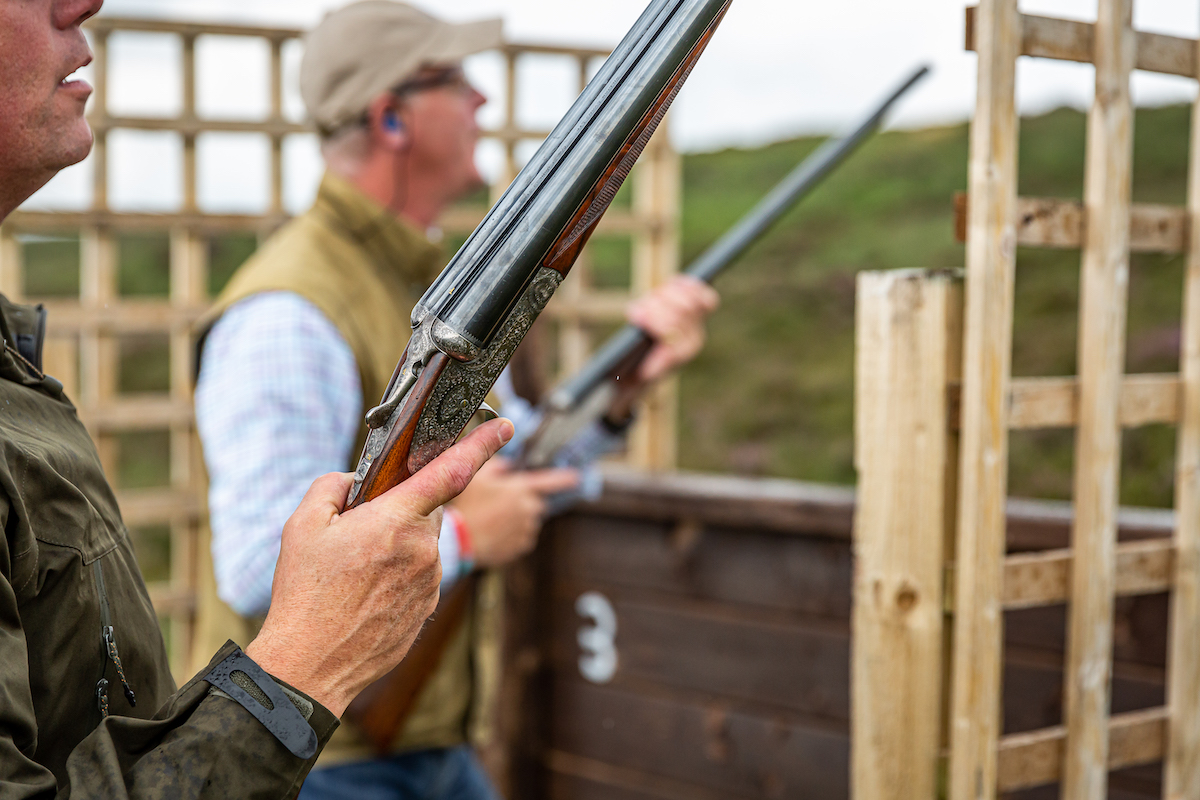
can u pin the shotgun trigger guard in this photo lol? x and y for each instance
(487, 412)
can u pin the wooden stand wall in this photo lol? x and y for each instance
(909, 351)
(982, 581)
(86, 332)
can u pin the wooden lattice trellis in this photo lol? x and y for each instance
(936, 400)
(85, 334)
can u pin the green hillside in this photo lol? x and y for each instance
(772, 394)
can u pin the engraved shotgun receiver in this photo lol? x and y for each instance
(469, 322)
(586, 397)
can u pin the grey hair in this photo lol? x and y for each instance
(345, 151)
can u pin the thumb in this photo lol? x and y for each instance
(448, 474)
(325, 499)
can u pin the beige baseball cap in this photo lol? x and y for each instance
(360, 51)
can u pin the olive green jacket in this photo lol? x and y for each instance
(68, 576)
(365, 270)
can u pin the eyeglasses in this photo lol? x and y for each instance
(435, 78)
(431, 78)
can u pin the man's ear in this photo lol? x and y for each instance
(386, 120)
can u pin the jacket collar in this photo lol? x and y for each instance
(22, 333)
(397, 247)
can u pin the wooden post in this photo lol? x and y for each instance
(656, 192)
(189, 289)
(276, 115)
(509, 126)
(97, 349)
(908, 350)
(983, 483)
(574, 339)
(99, 121)
(1182, 767)
(189, 115)
(12, 267)
(1098, 438)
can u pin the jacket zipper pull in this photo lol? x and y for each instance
(111, 644)
(102, 697)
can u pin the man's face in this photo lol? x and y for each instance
(444, 132)
(42, 125)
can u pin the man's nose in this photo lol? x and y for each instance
(68, 13)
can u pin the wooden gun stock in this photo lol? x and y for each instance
(380, 710)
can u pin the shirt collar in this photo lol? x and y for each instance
(397, 246)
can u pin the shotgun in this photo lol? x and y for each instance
(586, 397)
(469, 322)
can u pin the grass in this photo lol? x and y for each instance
(772, 394)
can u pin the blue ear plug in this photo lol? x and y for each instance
(392, 123)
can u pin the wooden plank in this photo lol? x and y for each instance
(70, 221)
(808, 576)
(1033, 689)
(628, 780)
(189, 125)
(138, 413)
(1104, 288)
(560, 786)
(705, 741)
(775, 505)
(60, 359)
(1182, 768)
(100, 105)
(907, 350)
(656, 192)
(1053, 223)
(974, 722)
(68, 318)
(12, 267)
(545, 48)
(116, 23)
(1074, 40)
(781, 662)
(819, 510)
(1054, 402)
(1141, 647)
(1037, 758)
(169, 601)
(141, 507)
(457, 219)
(592, 306)
(276, 115)
(1038, 579)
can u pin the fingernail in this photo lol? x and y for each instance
(506, 432)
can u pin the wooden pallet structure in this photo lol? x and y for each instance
(936, 400)
(87, 330)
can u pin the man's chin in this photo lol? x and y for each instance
(76, 147)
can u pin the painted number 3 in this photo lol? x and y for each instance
(598, 662)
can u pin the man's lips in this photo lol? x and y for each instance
(77, 86)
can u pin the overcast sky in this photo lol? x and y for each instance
(776, 68)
